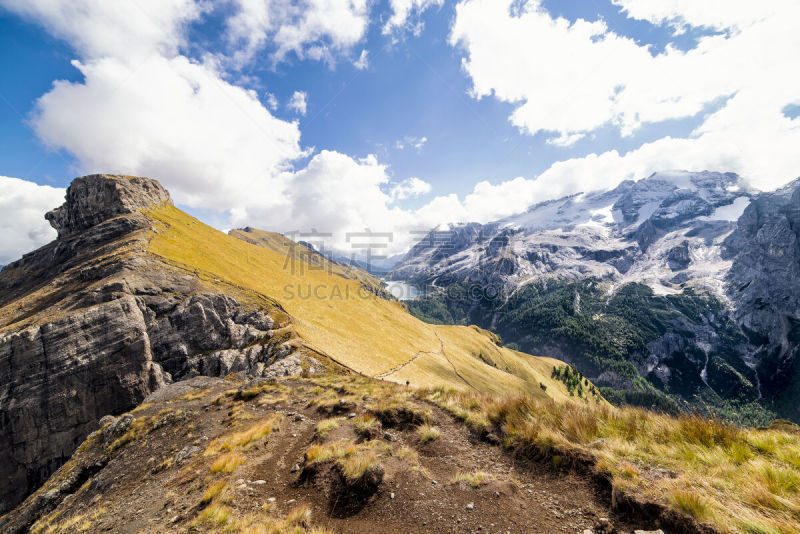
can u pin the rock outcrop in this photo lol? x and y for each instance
(764, 285)
(91, 324)
(99, 197)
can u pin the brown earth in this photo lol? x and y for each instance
(134, 483)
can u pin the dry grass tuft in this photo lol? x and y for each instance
(353, 459)
(217, 515)
(428, 433)
(213, 491)
(366, 425)
(476, 479)
(326, 425)
(691, 502)
(227, 462)
(245, 438)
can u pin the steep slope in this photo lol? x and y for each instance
(335, 316)
(213, 455)
(135, 294)
(91, 323)
(645, 288)
(328, 453)
(763, 285)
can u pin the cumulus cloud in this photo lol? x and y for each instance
(334, 194)
(566, 139)
(568, 79)
(144, 108)
(97, 28)
(409, 188)
(316, 29)
(22, 208)
(403, 11)
(298, 103)
(212, 144)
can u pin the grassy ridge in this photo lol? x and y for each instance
(737, 480)
(338, 317)
(314, 260)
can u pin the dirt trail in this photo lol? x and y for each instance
(132, 495)
(441, 344)
(395, 369)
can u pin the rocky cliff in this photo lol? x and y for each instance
(90, 324)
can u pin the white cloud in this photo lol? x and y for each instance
(97, 28)
(363, 60)
(410, 141)
(566, 139)
(708, 13)
(22, 208)
(409, 188)
(569, 79)
(298, 102)
(316, 29)
(211, 143)
(403, 10)
(272, 101)
(143, 108)
(333, 194)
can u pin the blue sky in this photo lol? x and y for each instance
(468, 110)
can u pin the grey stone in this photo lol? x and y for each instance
(113, 325)
(186, 453)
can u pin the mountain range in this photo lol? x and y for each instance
(158, 375)
(678, 290)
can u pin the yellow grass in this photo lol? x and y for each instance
(217, 514)
(304, 257)
(337, 317)
(326, 425)
(353, 459)
(365, 423)
(428, 433)
(475, 479)
(213, 490)
(738, 480)
(227, 462)
(297, 521)
(244, 439)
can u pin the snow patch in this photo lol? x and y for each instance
(729, 212)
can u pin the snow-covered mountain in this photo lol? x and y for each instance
(665, 231)
(693, 279)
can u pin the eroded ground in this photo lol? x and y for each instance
(317, 454)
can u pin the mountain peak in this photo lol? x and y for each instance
(95, 198)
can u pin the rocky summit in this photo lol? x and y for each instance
(91, 324)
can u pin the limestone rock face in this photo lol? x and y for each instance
(95, 198)
(91, 324)
(58, 378)
(764, 284)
